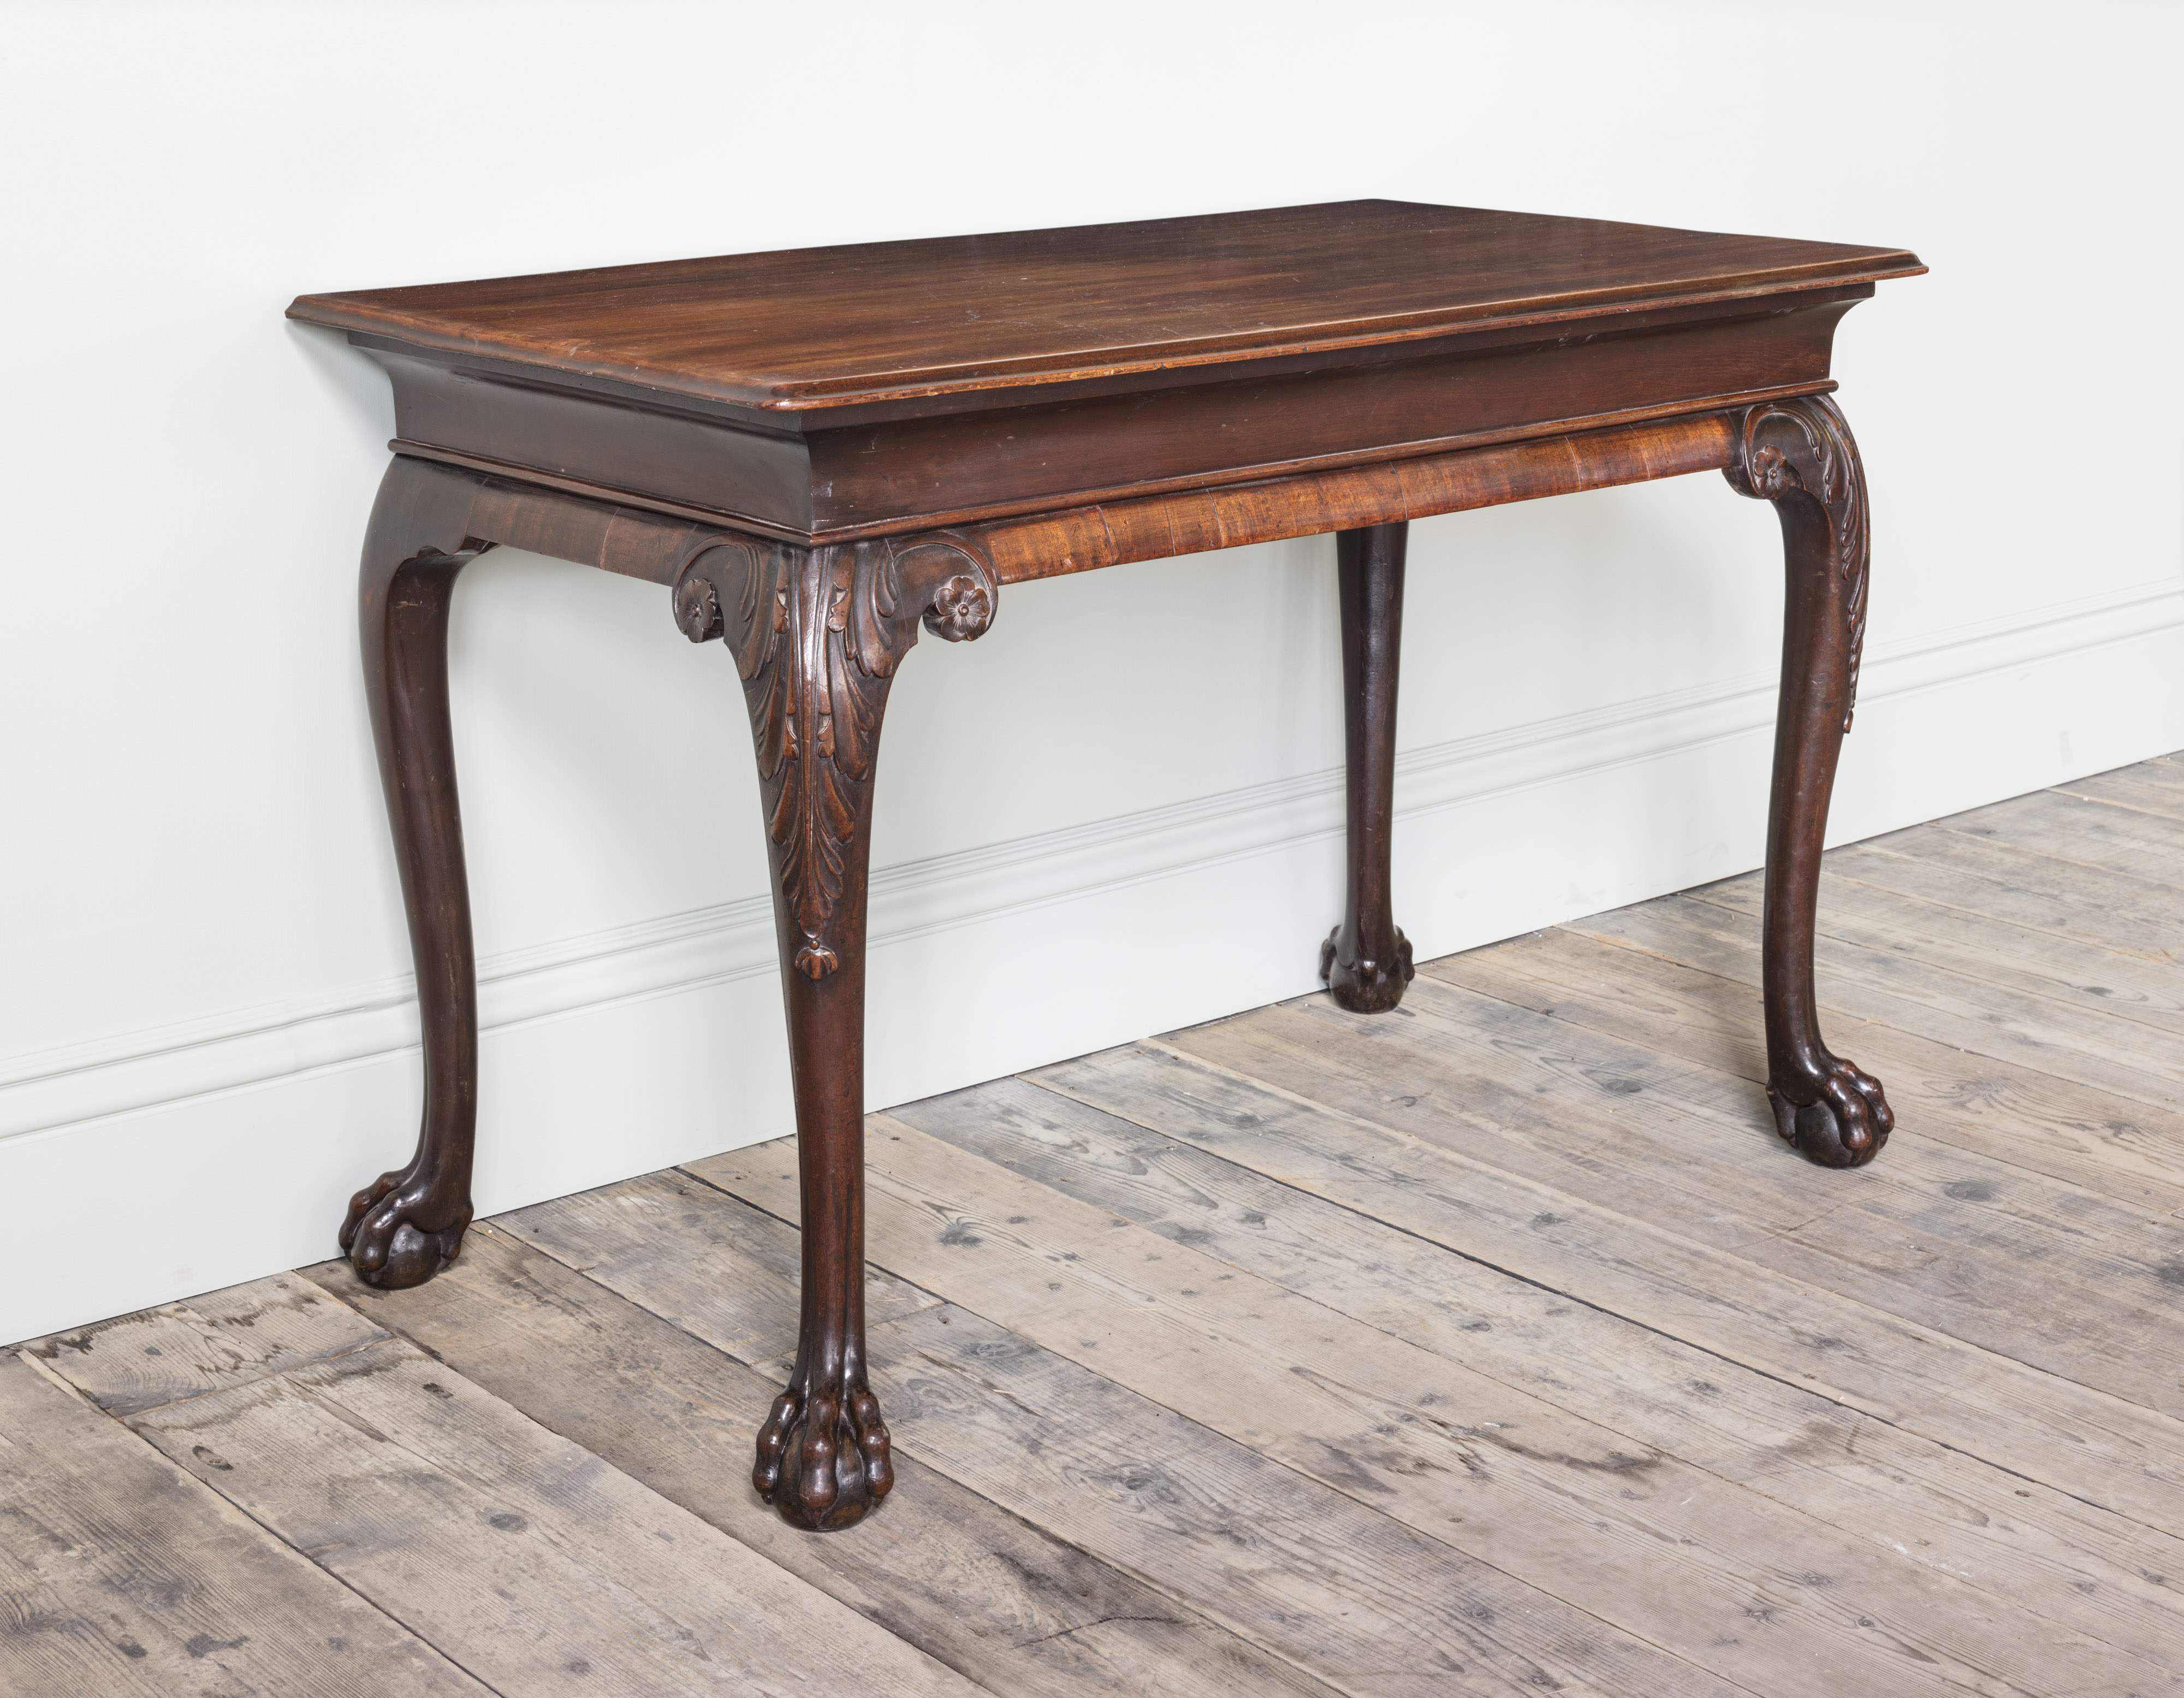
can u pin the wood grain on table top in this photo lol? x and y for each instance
(834, 327)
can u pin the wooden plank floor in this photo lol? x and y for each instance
(1495, 1345)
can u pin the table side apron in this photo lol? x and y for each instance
(807, 477)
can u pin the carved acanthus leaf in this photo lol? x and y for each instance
(817, 635)
(1805, 446)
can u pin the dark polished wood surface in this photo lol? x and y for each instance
(825, 327)
(823, 454)
(848, 392)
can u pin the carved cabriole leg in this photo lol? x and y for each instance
(1366, 961)
(1799, 455)
(407, 1226)
(817, 635)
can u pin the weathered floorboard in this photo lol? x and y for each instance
(2121, 909)
(2011, 915)
(518, 1554)
(2085, 1443)
(224, 1338)
(2043, 1549)
(2089, 832)
(1013, 1608)
(2153, 787)
(2031, 1120)
(120, 1575)
(1371, 1605)
(2110, 991)
(1612, 1015)
(1702, 1567)
(1687, 1148)
(1333, 1586)
(1985, 1019)
(651, 1234)
(1953, 973)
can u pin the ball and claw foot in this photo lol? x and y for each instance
(1366, 987)
(823, 1457)
(384, 1244)
(1844, 1123)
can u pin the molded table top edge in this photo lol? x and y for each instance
(1093, 301)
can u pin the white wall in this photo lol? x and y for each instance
(1117, 812)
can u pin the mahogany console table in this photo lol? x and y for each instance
(819, 452)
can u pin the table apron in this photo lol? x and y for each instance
(817, 482)
(485, 503)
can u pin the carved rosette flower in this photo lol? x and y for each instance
(1804, 446)
(961, 609)
(817, 635)
(697, 608)
(1770, 472)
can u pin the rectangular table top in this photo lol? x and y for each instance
(805, 330)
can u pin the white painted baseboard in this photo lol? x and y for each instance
(613, 1054)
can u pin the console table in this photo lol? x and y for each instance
(820, 453)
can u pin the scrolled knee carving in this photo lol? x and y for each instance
(964, 592)
(942, 581)
(1802, 449)
(717, 579)
(817, 635)
(947, 579)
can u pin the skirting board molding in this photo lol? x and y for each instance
(677, 1049)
